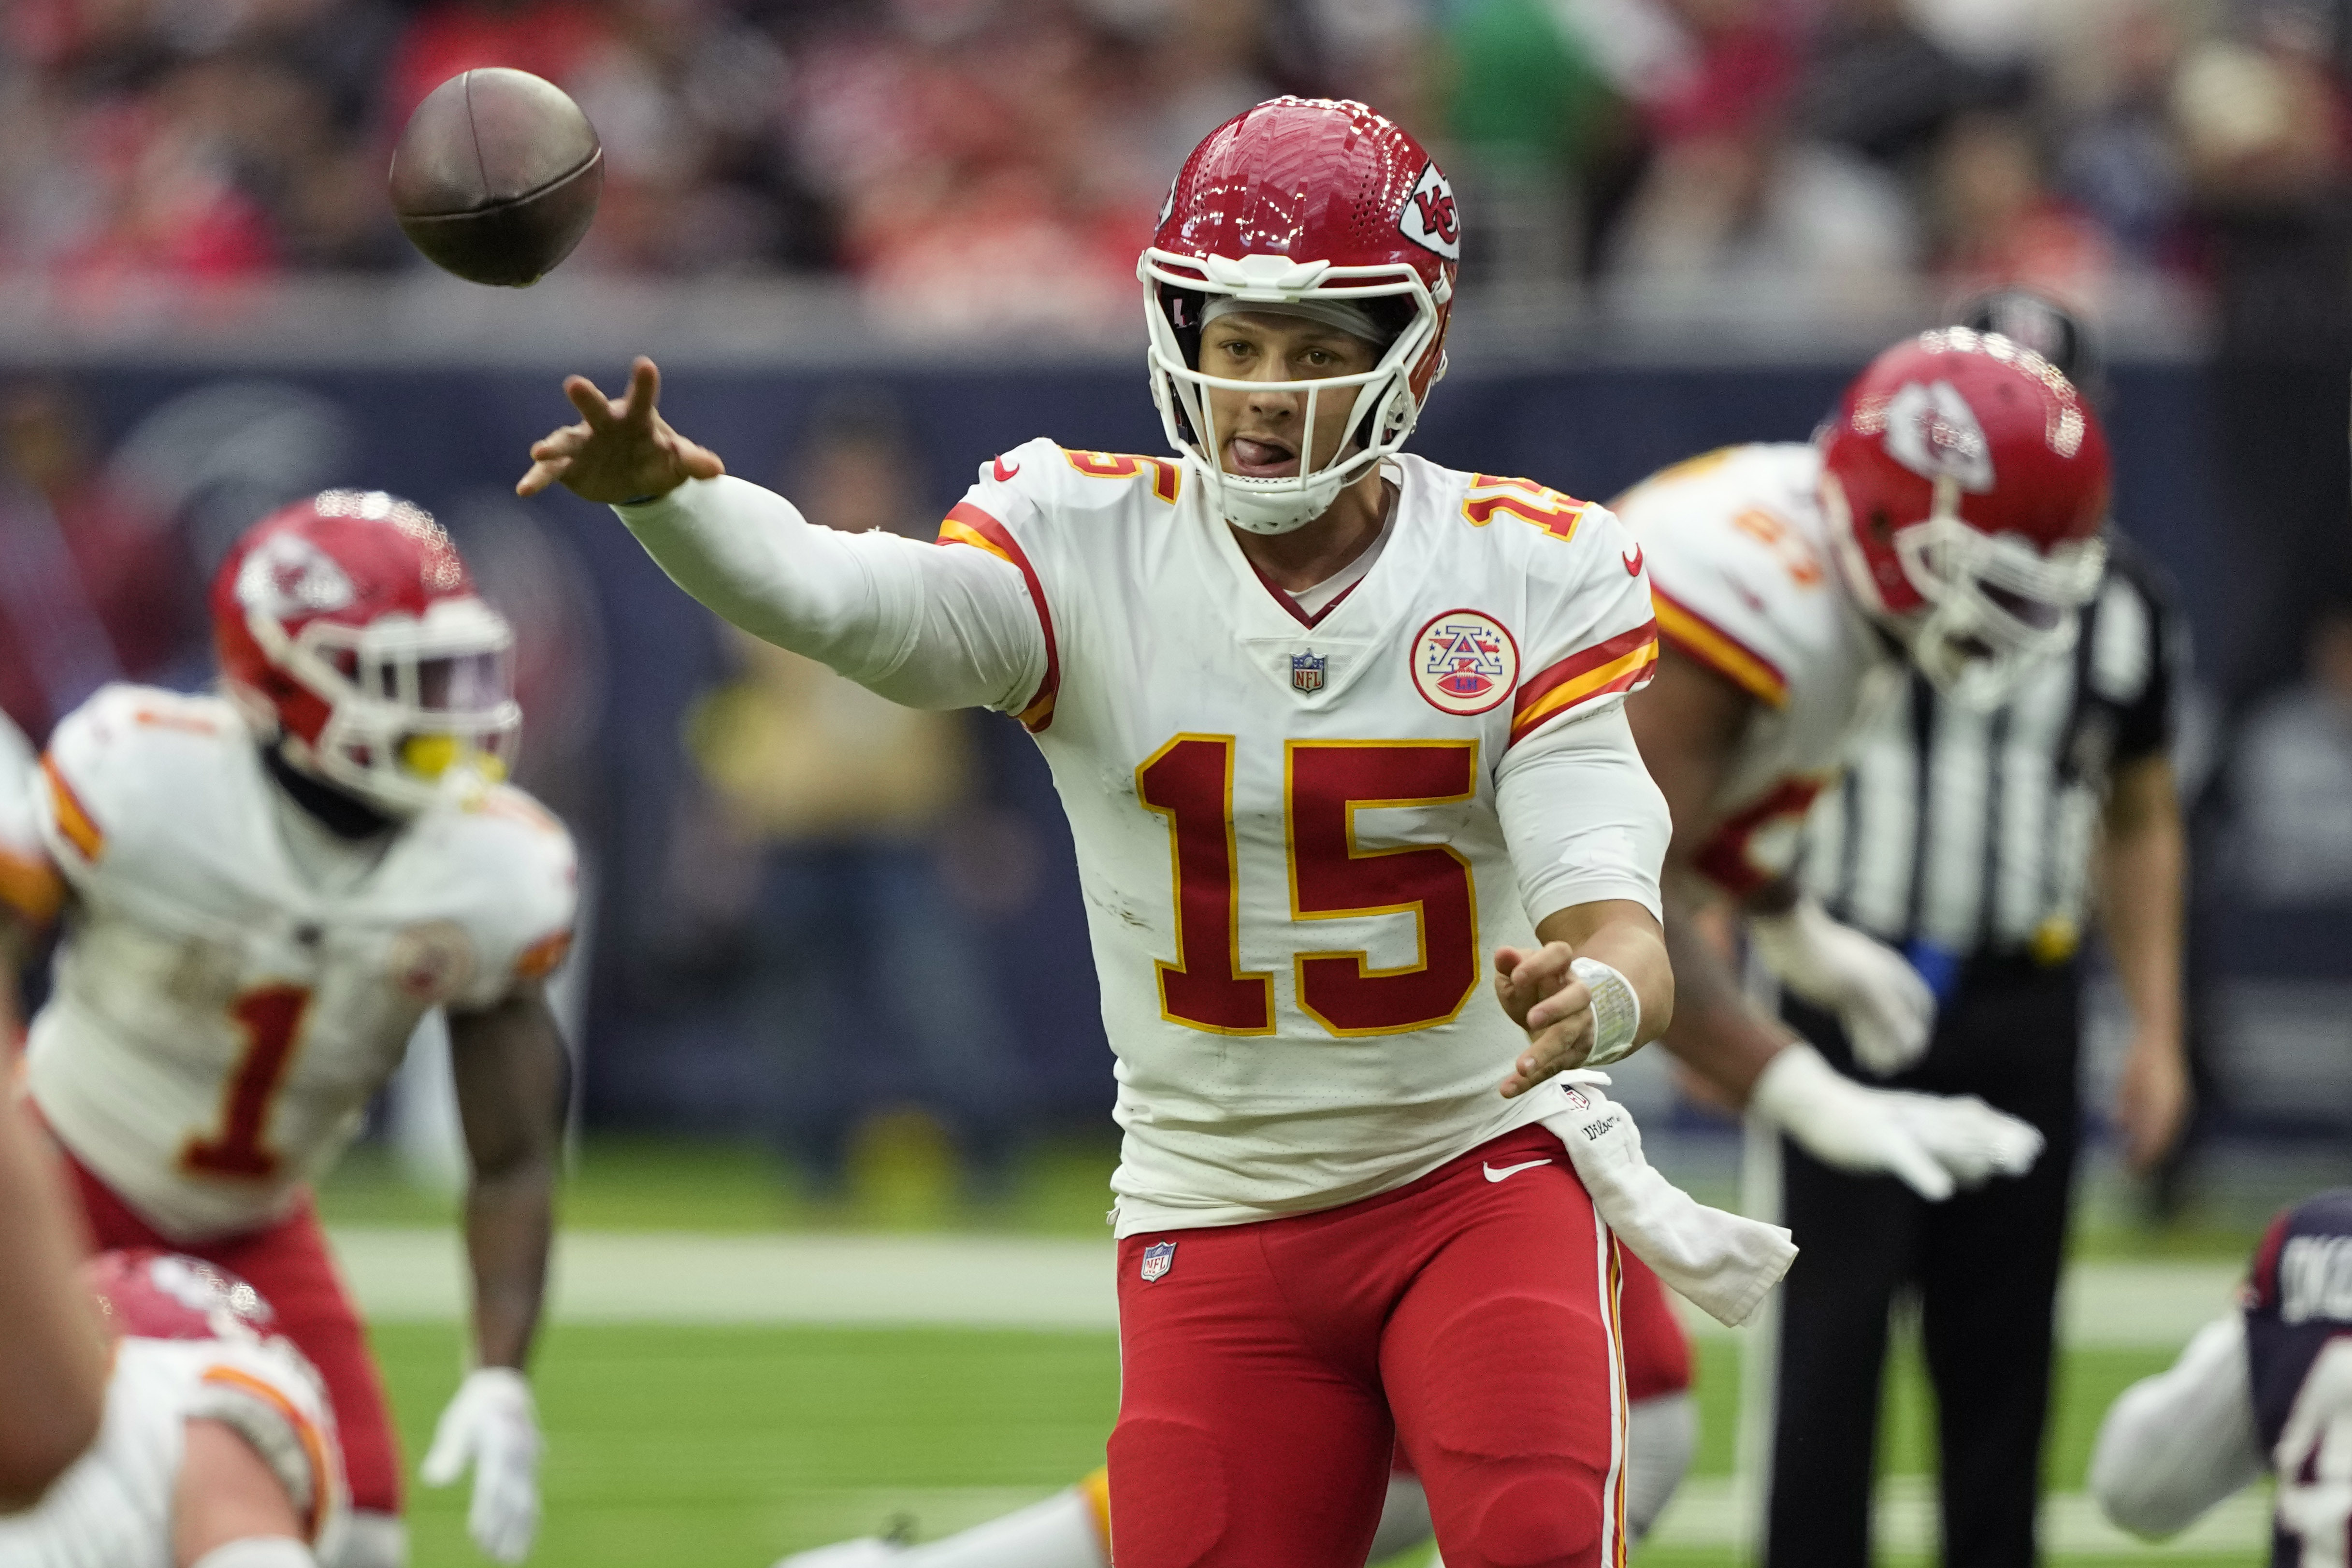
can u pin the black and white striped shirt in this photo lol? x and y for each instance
(1973, 832)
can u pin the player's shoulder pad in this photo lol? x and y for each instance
(1039, 480)
(135, 769)
(2303, 1268)
(516, 855)
(1739, 562)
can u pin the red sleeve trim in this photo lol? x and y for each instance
(1623, 663)
(968, 525)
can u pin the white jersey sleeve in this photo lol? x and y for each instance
(1737, 575)
(1738, 555)
(115, 1505)
(2174, 1445)
(515, 892)
(927, 628)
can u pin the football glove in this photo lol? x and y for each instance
(1932, 1142)
(1888, 1011)
(492, 1425)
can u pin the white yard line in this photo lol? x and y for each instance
(1707, 1512)
(409, 1274)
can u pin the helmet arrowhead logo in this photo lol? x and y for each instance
(1932, 432)
(288, 575)
(1429, 219)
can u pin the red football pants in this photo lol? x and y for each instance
(1658, 1351)
(1267, 1371)
(289, 1264)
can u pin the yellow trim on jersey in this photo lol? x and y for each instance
(1719, 651)
(954, 532)
(1568, 694)
(73, 821)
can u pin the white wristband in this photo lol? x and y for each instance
(1616, 1012)
(259, 1552)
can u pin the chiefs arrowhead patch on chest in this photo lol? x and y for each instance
(1464, 662)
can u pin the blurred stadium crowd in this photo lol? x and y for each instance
(1861, 143)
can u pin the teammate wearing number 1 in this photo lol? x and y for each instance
(267, 890)
(1332, 725)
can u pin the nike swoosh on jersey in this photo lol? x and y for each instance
(1632, 562)
(1494, 1175)
(1004, 473)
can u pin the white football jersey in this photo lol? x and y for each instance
(1287, 827)
(220, 1019)
(114, 1508)
(1737, 551)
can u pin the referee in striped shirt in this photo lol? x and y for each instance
(1980, 844)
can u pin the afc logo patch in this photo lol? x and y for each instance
(1158, 1259)
(1307, 671)
(1429, 217)
(1464, 662)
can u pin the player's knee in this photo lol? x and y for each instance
(369, 1539)
(1550, 1519)
(1167, 1494)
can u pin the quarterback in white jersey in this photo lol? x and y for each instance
(217, 1449)
(1949, 520)
(269, 890)
(1329, 723)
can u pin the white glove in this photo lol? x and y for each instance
(1932, 1142)
(1888, 1011)
(493, 1426)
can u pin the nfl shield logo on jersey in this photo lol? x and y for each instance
(1306, 671)
(1158, 1259)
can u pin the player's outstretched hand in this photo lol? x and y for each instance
(622, 449)
(1544, 998)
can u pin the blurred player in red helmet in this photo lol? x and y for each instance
(1949, 522)
(269, 889)
(218, 1447)
(1336, 730)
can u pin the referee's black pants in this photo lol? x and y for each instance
(1985, 1265)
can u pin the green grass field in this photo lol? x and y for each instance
(727, 1447)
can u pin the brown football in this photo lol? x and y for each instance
(497, 177)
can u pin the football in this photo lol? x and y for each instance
(497, 175)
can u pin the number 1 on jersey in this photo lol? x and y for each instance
(271, 1019)
(1190, 781)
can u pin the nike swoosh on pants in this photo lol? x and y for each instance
(1494, 1175)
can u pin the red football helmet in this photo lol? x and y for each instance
(347, 626)
(1966, 483)
(1305, 202)
(149, 1295)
